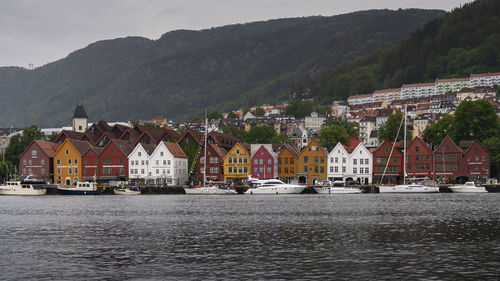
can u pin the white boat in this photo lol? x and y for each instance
(467, 187)
(209, 190)
(81, 188)
(405, 188)
(127, 191)
(336, 190)
(273, 186)
(408, 188)
(21, 188)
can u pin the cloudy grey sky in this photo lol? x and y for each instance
(42, 31)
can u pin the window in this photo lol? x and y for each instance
(291, 160)
(305, 169)
(322, 160)
(230, 169)
(395, 160)
(240, 160)
(343, 169)
(42, 171)
(417, 149)
(139, 153)
(336, 169)
(305, 159)
(237, 151)
(24, 162)
(168, 162)
(33, 152)
(261, 161)
(245, 160)
(104, 162)
(164, 162)
(109, 161)
(30, 162)
(121, 160)
(70, 171)
(69, 161)
(158, 171)
(76, 161)
(104, 170)
(331, 169)
(316, 159)
(361, 162)
(343, 160)
(269, 161)
(321, 169)
(291, 170)
(268, 171)
(161, 153)
(355, 170)
(245, 170)
(336, 159)
(109, 170)
(58, 171)
(121, 170)
(230, 160)
(355, 161)
(279, 160)
(67, 152)
(76, 170)
(84, 171)
(256, 161)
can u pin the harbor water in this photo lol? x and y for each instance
(180, 237)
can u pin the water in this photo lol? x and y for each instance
(178, 237)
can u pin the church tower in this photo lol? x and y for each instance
(80, 119)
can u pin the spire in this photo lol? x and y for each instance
(80, 112)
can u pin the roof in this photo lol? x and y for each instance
(219, 150)
(80, 112)
(197, 135)
(452, 80)
(360, 96)
(387, 91)
(294, 150)
(49, 148)
(351, 143)
(124, 146)
(417, 85)
(485, 74)
(150, 148)
(69, 135)
(175, 149)
(80, 145)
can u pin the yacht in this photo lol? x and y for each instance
(27, 187)
(405, 188)
(273, 186)
(336, 190)
(81, 188)
(468, 187)
(209, 190)
(134, 190)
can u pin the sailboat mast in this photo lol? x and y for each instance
(205, 152)
(404, 142)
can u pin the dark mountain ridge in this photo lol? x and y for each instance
(183, 72)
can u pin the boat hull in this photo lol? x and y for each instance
(408, 189)
(275, 190)
(479, 189)
(69, 191)
(209, 191)
(22, 191)
(337, 190)
(126, 191)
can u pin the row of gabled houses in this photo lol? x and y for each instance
(162, 156)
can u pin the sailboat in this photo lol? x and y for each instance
(211, 189)
(405, 188)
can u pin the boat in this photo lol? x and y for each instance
(24, 187)
(405, 188)
(81, 188)
(209, 190)
(273, 186)
(336, 190)
(468, 187)
(133, 190)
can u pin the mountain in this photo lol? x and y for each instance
(183, 72)
(464, 42)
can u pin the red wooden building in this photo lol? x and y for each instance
(475, 161)
(114, 161)
(394, 172)
(37, 161)
(214, 163)
(419, 159)
(90, 164)
(447, 160)
(264, 162)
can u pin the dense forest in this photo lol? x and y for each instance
(184, 72)
(463, 42)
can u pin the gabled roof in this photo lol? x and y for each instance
(80, 145)
(448, 137)
(197, 135)
(485, 74)
(351, 143)
(175, 149)
(124, 146)
(49, 148)
(294, 150)
(219, 150)
(69, 135)
(224, 140)
(80, 112)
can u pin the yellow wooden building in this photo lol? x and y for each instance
(68, 161)
(287, 162)
(312, 163)
(237, 163)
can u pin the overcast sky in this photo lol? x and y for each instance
(42, 31)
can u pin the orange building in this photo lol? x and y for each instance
(312, 163)
(237, 163)
(68, 161)
(287, 162)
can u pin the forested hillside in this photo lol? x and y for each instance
(183, 72)
(465, 41)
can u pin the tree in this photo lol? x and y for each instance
(52, 136)
(492, 145)
(234, 131)
(259, 112)
(324, 110)
(390, 129)
(435, 133)
(260, 134)
(300, 108)
(475, 120)
(329, 137)
(19, 142)
(214, 114)
(350, 127)
(232, 115)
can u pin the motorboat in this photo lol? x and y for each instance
(273, 186)
(409, 188)
(23, 188)
(81, 188)
(209, 190)
(133, 190)
(336, 190)
(468, 187)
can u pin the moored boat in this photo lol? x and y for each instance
(336, 190)
(134, 190)
(468, 187)
(409, 188)
(209, 190)
(81, 188)
(273, 186)
(22, 188)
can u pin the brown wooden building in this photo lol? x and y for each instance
(37, 160)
